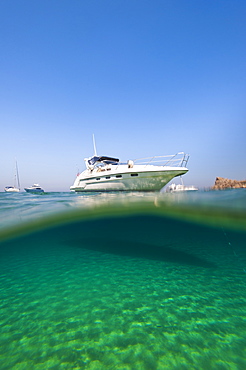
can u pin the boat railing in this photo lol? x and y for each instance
(175, 160)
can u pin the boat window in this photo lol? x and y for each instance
(107, 160)
(134, 174)
(93, 160)
(107, 177)
(98, 178)
(118, 175)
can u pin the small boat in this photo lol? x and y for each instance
(35, 188)
(14, 189)
(11, 189)
(104, 173)
(173, 188)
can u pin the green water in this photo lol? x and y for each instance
(124, 287)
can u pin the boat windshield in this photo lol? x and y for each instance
(103, 159)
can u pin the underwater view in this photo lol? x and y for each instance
(123, 281)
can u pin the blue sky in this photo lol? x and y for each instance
(146, 77)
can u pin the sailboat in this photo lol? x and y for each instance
(14, 189)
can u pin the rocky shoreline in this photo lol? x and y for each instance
(223, 183)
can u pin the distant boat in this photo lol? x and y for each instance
(148, 174)
(35, 188)
(14, 189)
(177, 188)
(173, 188)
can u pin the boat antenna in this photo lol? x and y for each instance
(94, 144)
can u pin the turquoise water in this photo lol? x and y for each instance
(123, 281)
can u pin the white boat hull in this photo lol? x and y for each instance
(11, 190)
(152, 180)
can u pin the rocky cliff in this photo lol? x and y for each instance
(223, 183)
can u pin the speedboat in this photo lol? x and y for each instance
(11, 189)
(104, 173)
(35, 188)
(173, 188)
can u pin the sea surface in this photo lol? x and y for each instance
(123, 281)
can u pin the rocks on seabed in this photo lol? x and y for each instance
(223, 183)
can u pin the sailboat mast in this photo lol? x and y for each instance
(17, 174)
